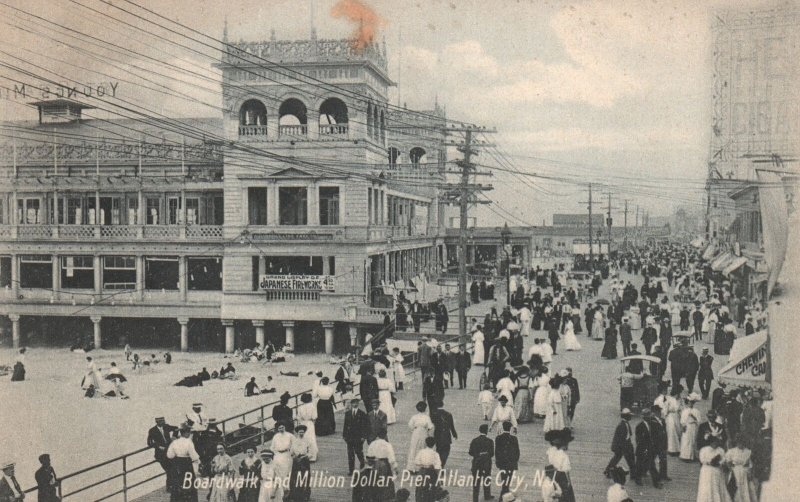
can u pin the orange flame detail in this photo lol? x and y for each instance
(369, 22)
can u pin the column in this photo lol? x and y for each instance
(139, 277)
(140, 209)
(353, 335)
(184, 322)
(15, 275)
(230, 335)
(98, 276)
(98, 339)
(14, 329)
(313, 202)
(259, 325)
(182, 277)
(273, 204)
(56, 276)
(328, 326)
(289, 326)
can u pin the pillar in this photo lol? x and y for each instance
(98, 339)
(184, 322)
(98, 276)
(289, 326)
(14, 329)
(353, 335)
(15, 275)
(230, 335)
(183, 282)
(259, 325)
(328, 326)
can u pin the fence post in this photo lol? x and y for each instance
(125, 479)
(262, 425)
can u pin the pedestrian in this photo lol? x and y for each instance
(659, 428)
(282, 413)
(706, 373)
(46, 480)
(281, 446)
(223, 473)
(307, 416)
(424, 352)
(575, 394)
(385, 465)
(427, 465)
(649, 336)
(503, 413)
(552, 333)
(250, 470)
(299, 486)
(692, 366)
(711, 485)
(159, 437)
(690, 421)
(481, 449)
(554, 418)
(271, 486)
(646, 449)
(354, 432)
(368, 387)
(738, 460)
(558, 458)
(462, 365)
(506, 447)
(376, 421)
(449, 363)
(10, 490)
(622, 446)
(444, 431)
(421, 428)
(697, 320)
(185, 465)
(617, 492)
(610, 346)
(523, 401)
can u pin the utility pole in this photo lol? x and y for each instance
(608, 223)
(465, 193)
(591, 243)
(625, 234)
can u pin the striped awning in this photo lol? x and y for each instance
(734, 264)
(721, 261)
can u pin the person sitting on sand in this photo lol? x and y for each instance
(228, 372)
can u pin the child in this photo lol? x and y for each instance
(616, 492)
(486, 400)
(128, 352)
(137, 364)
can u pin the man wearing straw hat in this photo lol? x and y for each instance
(10, 491)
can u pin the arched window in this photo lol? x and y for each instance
(417, 156)
(383, 128)
(394, 154)
(369, 120)
(333, 117)
(253, 118)
(293, 118)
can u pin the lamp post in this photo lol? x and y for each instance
(505, 235)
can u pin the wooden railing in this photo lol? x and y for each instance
(112, 232)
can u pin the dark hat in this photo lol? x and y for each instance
(502, 398)
(301, 428)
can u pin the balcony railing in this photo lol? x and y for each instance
(112, 232)
(333, 129)
(291, 295)
(252, 130)
(293, 130)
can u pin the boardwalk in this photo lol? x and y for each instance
(596, 417)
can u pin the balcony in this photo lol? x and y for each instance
(293, 130)
(112, 232)
(252, 130)
(333, 130)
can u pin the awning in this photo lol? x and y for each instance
(750, 363)
(709, 252)
(735, 264)
(719, 263)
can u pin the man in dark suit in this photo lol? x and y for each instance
(552, 332)
(697, 320)
(575, 393)
(424, 356)
(10, 491)
(159, 437)
(659, 434)
(354, 431)
(710, 429)
(506, 449)
(645, 449)
(625, 336)
(684, 315)
(376, 422)
(481, 449)
(692, 367)
(416, 315)
(643, 308)
(622, 446)
(649, 337)
(444, 431)
(463, 364)
(705, 373)
(665, 333)
(368, 388)
(46, 480)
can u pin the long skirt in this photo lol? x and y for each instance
(597, 330)
(182, 470)
(326, 422)
(300, 487)
(426, 486)
(745, 487)
(221, 490)
(609, 348)
(523, 406)
(673, 433)
(689, 443)
(540, 405)
(563, 481)
(386, 406)
(418, 436)
(711, 485)
(385, 482)
(576, 323)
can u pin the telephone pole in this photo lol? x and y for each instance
(625, 234)
(466, 194)
(591, 243)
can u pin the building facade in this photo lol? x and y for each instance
(281, 219)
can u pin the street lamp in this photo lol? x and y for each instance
(505, 235)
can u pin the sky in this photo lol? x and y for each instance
(615, 90)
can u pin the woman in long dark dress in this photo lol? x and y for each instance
(300, 490)
(19, 367)
(576, 319)
(610, 345)
(326, 422)
(250, 470)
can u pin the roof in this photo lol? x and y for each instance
(61, 101)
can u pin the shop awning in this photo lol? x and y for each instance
(734, 264)
(709, 252)
(719, 263)
(750, 363)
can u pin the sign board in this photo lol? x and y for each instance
(297, 282)
(749, 363)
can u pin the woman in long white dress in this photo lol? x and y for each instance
(307, 415)
(554, 416)
(397, 366)
(711, 485)
(690, 421)
(478, 357)
(421, 428)
(566, 399)
(271, 482)
(738, 460)
(224, 472)
(385, 391)
(540, 396)
(93, 376)
(525, 321)
(506, 387)
(598, 325)
(367, 350)
(570, 340)
(671, 411)
(281, 446)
